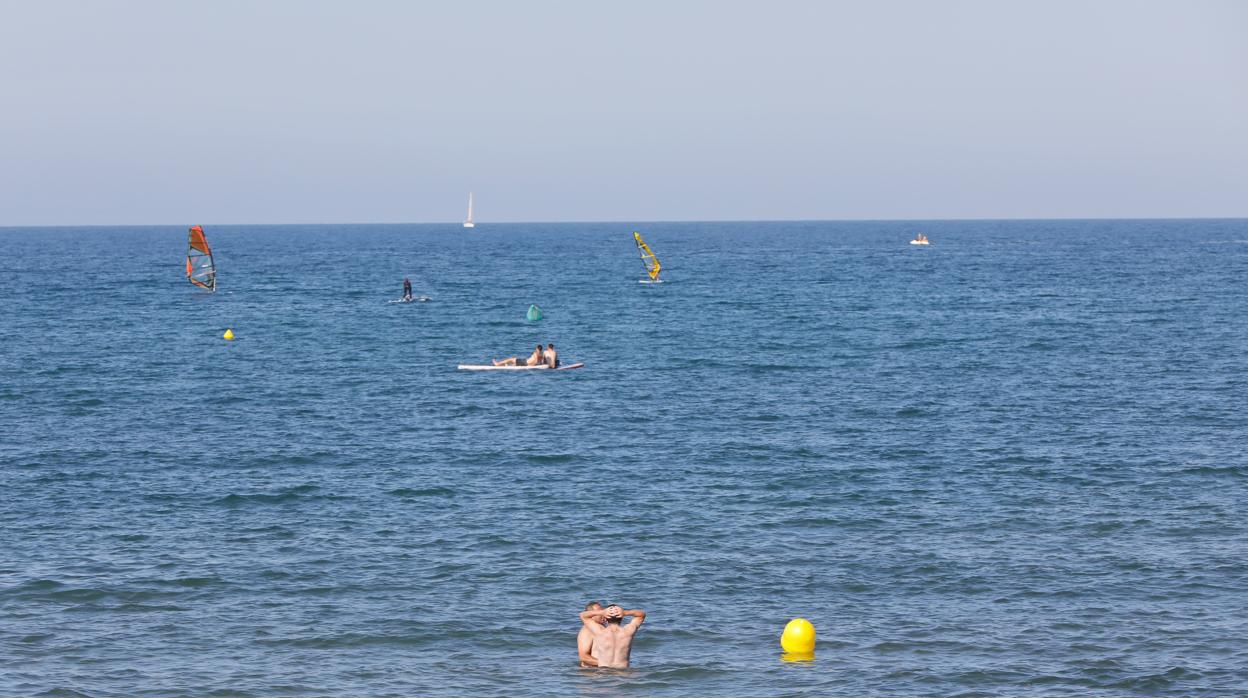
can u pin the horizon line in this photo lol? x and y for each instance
(649, 221)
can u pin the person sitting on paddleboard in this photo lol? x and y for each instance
(550, 355)
(407, 289)
(534, 359)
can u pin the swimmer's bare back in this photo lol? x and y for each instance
(613, 643)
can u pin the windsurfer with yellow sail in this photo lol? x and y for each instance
(648, 260)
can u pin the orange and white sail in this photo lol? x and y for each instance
(201, 269)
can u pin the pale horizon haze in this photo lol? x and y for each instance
(320, 112)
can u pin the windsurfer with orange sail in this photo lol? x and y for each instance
(201, 269)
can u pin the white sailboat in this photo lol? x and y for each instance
(468, 223)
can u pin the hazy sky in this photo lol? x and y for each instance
(295, 111)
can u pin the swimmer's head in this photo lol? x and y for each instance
(595, 606)
(615, 614)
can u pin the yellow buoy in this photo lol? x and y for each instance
(798, 637)
(229, 334)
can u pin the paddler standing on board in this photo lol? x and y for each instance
(407, 289)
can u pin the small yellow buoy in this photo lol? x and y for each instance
(798, 637)
(229, 334)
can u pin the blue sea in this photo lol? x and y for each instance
(1012, 463)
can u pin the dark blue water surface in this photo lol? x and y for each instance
(1011, 463)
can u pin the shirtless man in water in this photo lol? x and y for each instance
(585, 639)
(614, 641)
(534, 359)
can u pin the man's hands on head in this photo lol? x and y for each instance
(611, 612)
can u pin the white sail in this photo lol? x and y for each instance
(468, 223)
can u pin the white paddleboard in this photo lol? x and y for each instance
(491, 367)
(919, 242)
(421, 299)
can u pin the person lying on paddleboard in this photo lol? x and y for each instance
(407, 289)
(534, 359)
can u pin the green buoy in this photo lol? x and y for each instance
(534, 314)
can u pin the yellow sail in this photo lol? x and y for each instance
(647, 257)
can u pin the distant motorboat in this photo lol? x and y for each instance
(920, 239)
(468, 223)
